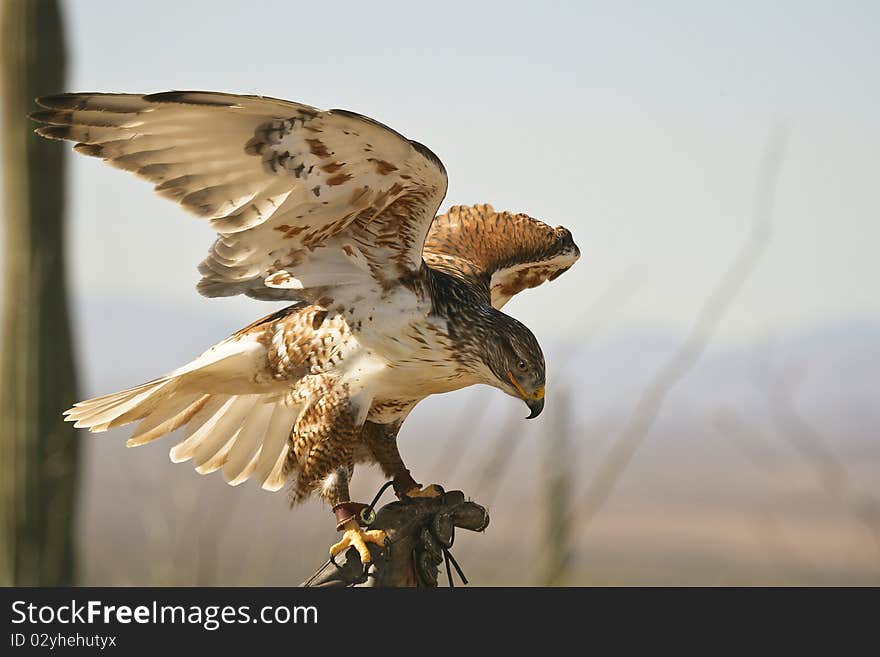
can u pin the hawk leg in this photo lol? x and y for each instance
(324, 440)
(348, 520)
(381, 439)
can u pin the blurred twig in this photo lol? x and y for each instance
(212, 523)
(756, 452)
(753, 448)
(603, 309)
(612, 299)
(558, 468)
(165, 514)
(489, 472)
(460, 437)
(259, 556)
(688, 354)
(832, 473)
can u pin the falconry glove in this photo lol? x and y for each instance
(420, 533)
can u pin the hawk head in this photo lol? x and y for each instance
(515, 359)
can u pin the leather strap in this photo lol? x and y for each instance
(346, 511)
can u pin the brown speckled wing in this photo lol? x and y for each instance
(505, 252)
(303, 200)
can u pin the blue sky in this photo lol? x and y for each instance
(637, 125)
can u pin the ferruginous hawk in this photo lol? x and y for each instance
(335, 212)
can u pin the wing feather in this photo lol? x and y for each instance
(289, 188)
(505, 252)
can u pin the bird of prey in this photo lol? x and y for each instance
(335, 212)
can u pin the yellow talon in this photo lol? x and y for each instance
(357, 537)
(432, 490)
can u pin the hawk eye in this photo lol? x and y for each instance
(521, 366)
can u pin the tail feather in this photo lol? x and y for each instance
(171, 416)
(215, 462)
(229, 419)
(278, 475)
(248, 470)
(97, 414)
(273, 453)
(145, 407)
(211, 452)
(200, 426)
(114, 397)
(247, 444)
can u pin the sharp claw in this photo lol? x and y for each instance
(358, 538)
(340, 547)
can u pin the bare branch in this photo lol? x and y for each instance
(606, 305)
(831, 471)
(706, 325)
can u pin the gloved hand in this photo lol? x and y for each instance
(419, 530)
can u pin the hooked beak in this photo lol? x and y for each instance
(535, 406)
(534, 401)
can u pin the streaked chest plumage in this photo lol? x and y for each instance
(389, 354)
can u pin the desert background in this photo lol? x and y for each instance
(713, 359)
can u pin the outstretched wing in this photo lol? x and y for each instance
(506, 252)
(304, 200)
